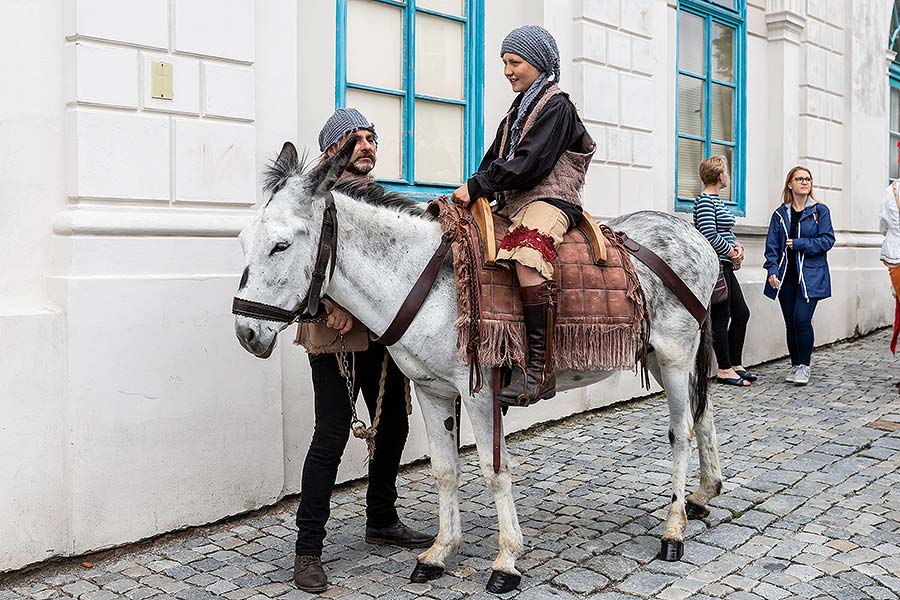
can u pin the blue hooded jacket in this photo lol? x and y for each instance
(815, 238)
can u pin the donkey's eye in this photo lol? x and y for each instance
(279, 247)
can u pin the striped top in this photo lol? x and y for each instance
(713, 219)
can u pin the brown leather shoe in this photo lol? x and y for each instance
(309, 574)
(537, 381)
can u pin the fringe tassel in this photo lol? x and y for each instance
(578, 347)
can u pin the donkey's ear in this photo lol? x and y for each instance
(323, 179)
(288, 155)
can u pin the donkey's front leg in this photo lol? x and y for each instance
(675, 381)
(504, 577)
(441, 425)
(710, 469)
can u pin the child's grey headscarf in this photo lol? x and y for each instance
(537, 46)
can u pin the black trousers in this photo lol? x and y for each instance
(798, 313)
(729, 323)
(332, 430)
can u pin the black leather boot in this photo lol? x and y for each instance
(537, 381)
(399, 534)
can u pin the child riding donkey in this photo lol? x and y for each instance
(535, 169)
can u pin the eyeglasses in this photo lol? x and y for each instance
(803, 179)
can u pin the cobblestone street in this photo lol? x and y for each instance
(810, 509)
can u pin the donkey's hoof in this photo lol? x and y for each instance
(695, 511)
(671, 550)
(501, 582)
(425, 573)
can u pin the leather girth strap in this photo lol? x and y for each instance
(416, 297)
(669, 278)
(498, 419)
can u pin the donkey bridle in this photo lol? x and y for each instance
(310, 310)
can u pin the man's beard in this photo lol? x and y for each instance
(362, 166)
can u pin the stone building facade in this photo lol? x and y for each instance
(128, 407)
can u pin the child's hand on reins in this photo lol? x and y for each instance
(461, 196)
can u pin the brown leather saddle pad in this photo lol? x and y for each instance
(601, 306)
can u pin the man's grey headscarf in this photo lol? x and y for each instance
(537, 46)
(342, 122)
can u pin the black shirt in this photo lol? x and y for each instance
(556, 129)
(792, 273)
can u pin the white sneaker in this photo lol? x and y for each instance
(801, 377)
(791, 376)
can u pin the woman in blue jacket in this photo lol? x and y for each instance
(800, 235)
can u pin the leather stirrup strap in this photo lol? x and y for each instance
(498, 419)
(410, 307)
(669, 278)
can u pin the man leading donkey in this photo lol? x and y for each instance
(332, 407)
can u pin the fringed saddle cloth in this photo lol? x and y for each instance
(601, 318)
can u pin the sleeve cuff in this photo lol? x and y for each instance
(475, 189)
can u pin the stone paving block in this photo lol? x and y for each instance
(645, 584)
(613, 567)
(727, 536)
(581, 581)
(79, 587)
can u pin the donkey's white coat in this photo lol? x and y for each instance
(383, 247)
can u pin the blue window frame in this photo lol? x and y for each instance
(429, 108)
(711, 103)
(894, 79)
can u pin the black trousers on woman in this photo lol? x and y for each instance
(332, 430)
(798, 314)
(729, 323)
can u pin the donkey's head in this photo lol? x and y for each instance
(280, 245)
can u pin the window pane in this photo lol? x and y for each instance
(439, 57)
(722, 52)
(727, 3)
(439, 142)
(690, 153)
(893, 36)
(375, 60)
(449, 7)
(728, 153)
(690, 105)
(691, 43)
(386, 113)
(722, 113)
(894, 153)
(895, 109)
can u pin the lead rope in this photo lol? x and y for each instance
(357, 426)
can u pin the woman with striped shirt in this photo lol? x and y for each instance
(729, 318)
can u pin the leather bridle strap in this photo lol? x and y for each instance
(310, 307)
(669, 278)
(266, 312)
(416, 297)
(327, 251)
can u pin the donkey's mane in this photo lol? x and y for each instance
(284, 167)
(368, 192)
(281, 169)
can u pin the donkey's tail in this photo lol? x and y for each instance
(702, 366)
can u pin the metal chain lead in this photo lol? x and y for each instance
(349, 377)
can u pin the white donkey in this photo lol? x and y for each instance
(383, 243)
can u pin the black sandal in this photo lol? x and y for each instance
(745, 374)
(736, 381)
